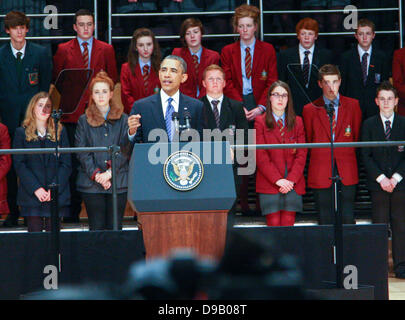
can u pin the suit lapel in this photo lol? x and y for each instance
(371, 67)
(323, 117)
(95, 51)
(356, 63)
(225, 113)
(157, 112)
(209, 115)
(10, 60)
(237, 62)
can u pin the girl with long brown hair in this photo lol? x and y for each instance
(37, 171)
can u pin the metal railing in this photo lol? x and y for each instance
(262, 13)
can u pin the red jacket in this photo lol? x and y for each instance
(271, 163)
(264, 71)
(317, 129)
(69, 56)
(208, 57)
(5, 165)
(398, 76)
(132, 87)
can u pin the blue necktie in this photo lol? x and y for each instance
(168, 118)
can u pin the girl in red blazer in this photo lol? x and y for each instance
(280, 172)
(139, 76)
(196, 56)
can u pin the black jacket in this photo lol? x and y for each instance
(93, 131)
(39, 170)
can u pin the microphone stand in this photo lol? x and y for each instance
(54, 187)
(336, 180)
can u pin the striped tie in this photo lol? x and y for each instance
(145, 77)
(387, 130)
(333, 122)
(248, 63)
(85, 55)
(305, 68)
(168, 118)
(364, 67)
(215, 110)
(195, 61)
(280, 126)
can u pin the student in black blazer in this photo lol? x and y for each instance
(291, 64)
(385, 168)
(37, 171)
(225, 114)
(25, 69)
(363, 69)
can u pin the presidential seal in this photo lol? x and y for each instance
(183, 170)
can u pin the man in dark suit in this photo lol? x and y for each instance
(25, 69)
(385, 168)
(155, 112)
(82, 52)
(225, 114)
(298, 66)
(346, 124)
(363, 69)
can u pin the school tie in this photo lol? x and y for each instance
(280, 126)
(305, 69)
(387, 130)
(168, 118)
(19, 64)
(85, 55)
(215, 110)
(145, 77)
(364, 67)
(248, 63)
(333, 122)
(195, 62)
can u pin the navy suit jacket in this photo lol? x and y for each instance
(151, 111)
(15, 93)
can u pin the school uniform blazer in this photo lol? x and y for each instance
(317, 129)
(69, 56)
(5, 165)
(132, 85)
(398, 75)
(264, 70)
(208, 57)
(39, 170)
(383, 160)
(272, 163)
(352, 78)
(16, 93)
(290, 71)
(152, 117)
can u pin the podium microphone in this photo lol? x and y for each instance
(175, 119)
(187, 118)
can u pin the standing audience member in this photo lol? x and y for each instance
(139, 76)
(398, 77)
(196, 56)
(280, 179)
(363, 69)
(83, 52)
(25, 69)
(250, 66)
(346, 128)
(5, 165)
(385, 168)
(299, 65)
(37, 171)
(103, 124)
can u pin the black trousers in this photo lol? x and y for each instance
(325, 206)
(100, 210)
(76, 197)
(389, 208)
(12, 189)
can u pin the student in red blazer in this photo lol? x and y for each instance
(5, 165)
(139, 76)
(196, 56)
(317, 129)
(398, 77)
(248, 82)
(280, 172)
(72, 54)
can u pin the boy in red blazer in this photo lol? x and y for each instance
(347, 121)
(83, 52)
(196, 56)
(249, 81)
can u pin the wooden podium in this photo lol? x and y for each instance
(170, 218)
